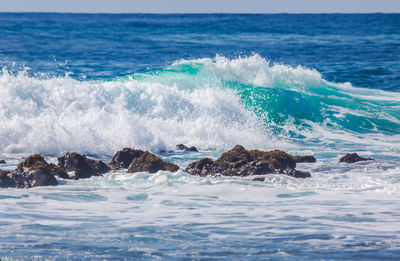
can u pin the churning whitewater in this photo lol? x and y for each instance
(210, 103)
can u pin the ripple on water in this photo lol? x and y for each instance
(296, 195)
(75, 197)
(138, 197)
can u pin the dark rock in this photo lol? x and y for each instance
(183, 147)
(150, 163)
(262, 179)
(242, 162)
(81, 167)
(297, 173)
(5, 180)
(305, 159)
(353, 157)
(32, 172)
(123, 158)
(99, 165)
(201, 167)
(2, 162)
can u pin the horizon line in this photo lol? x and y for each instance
(194, 13)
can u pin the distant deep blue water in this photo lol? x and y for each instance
(308, 84)
(363, 49)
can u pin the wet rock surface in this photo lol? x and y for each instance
(5, 180)
(80, 167)
(35, 171)
(305, 159)
(184, 148)
(123, 158)
(2, 161)
(242, 162)
(352, 158)
(150, 163)
(32, 172)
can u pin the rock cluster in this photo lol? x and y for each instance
(139, 160)
(35, 171)
(242, 162)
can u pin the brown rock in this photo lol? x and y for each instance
(241, 162)
(305, 159)
(123, 158)
(32, 172)
(81, 167)
(150, 163)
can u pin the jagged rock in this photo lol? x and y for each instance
(80, 167)
(123, 158)
(150, 163)
(32, 172)
(183, 147)
(2, 162)
(352, 157)
(305, 159)
(242, 162)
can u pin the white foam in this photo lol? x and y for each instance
(156, 111)
(258, 71)
(54, 115)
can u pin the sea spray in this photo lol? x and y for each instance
(210, 103)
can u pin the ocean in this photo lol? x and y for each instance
(320, 84)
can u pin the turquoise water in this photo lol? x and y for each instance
(323, 85)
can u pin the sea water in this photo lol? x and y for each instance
(321, 85)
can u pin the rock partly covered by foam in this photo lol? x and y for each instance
(150, 163)
(242, 162)
(80, 167)
(184, 148)
(32, 172)
(123, 158)
(2, 161)
(352, 158)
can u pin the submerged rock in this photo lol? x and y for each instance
(183, 147)
(80, 167)
(123, 158)
(32, 172)
(242, 162)
(352, 158)
(150, 163)
(2, 161)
